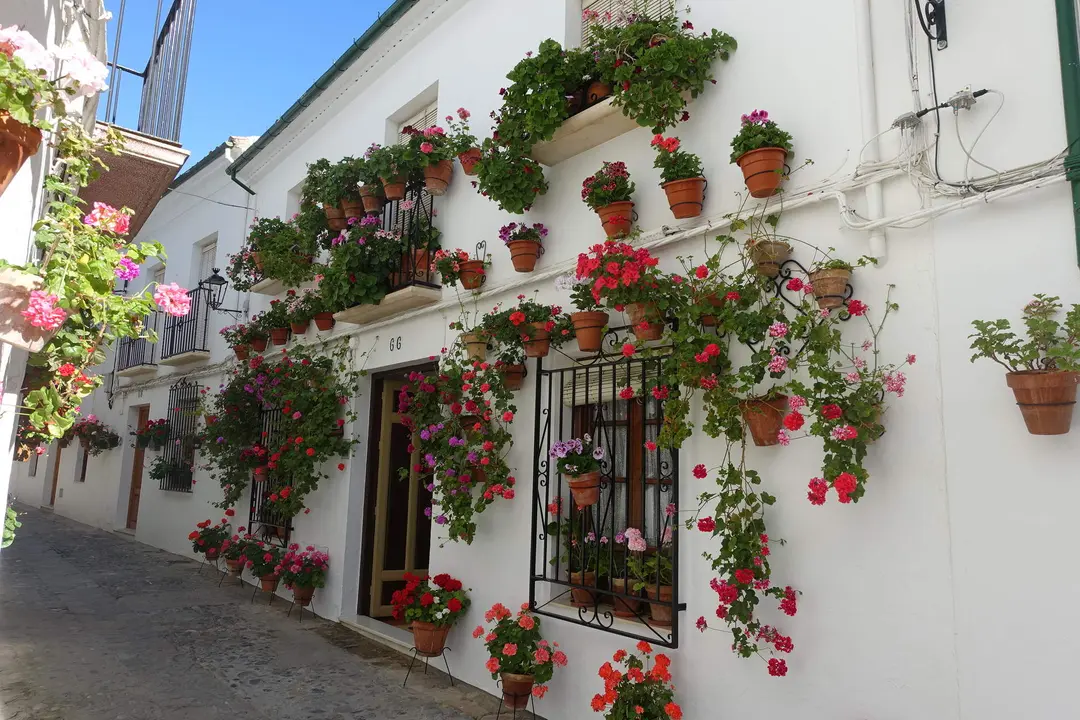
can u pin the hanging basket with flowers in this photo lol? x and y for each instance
(525, 243)
(762, 150)
(609, 193)
(458, 266)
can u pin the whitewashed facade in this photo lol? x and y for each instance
(920, 601)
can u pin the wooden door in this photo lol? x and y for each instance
(55, 474)
(402, 539)
(137, 472)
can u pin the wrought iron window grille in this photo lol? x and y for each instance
(188, 333)
(179, 451)
(638, 485)
(263, 521)
(413, 219)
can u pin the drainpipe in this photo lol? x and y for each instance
(236, 180)
(1069, 47)
(875, 202)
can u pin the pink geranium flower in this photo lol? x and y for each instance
(173, 299)
(42, 311)
(107, 218)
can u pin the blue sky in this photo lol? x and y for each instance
(250, 60)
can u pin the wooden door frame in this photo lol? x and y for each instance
(137, 459)
(56, 473)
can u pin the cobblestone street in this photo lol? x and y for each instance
(98, 627)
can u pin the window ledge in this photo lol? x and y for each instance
(136, 371)
(185, 358)
(408, 298)
(590, 128)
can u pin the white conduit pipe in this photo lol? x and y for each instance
(875, 202)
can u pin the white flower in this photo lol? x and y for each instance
(86, 72)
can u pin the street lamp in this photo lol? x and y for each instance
(216, 287)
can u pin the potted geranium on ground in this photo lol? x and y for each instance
(525, 243)
(519, 655)
(608, 192)
(208, 539)
(761, 149)
(264, 562)
(641, 691)
(462, 142)
(580, 461)
(431, 606)
(302, 571)
(234, 550)
(154, 435)
(682, 177)
(457, 264)
(1043, 369)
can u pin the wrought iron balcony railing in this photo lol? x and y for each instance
(412, 219)
(187, 333)
(134, 353)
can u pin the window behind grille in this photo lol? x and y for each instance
(420, 121)
(611, 10)
(179, 451)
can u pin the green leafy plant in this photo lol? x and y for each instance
(673, 163)
(207, 539)
(25, 86)
(393, 163)
(431, 145)
(448, 264)
(304, 568)
(757, 132)
(460, 137)
(242, 271)
(11, 524)
(515, 645)
(361, 261)
(1050, 344)
(610, 184)
(508, 176)
(263, 559)
(274, 317)
(285, 252)
(639, 692)
(301, 307)
(241, 333)
(96, 436)
(438, 600)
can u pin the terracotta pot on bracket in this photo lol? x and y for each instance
(279, 336)
(765, 416)
(763, 170)
(269, 583)
(646, 322)
(468, 160)
(298, 328)
(242, 352)
(524, 254)
(18, 143)
(476, 345)
(539, 343)
(1046, 399)
(580, 596)
(516, 690)
(258, 344)
(324, 321)
(716, 302)
(211, 555)
(513, 376)
(437, 177)
(659, 611)
(429, 639)
(685, 197)
(830, 287)
(394, 188)
(617, 218)
(261, 471)
(371, 197)
(768, 256)
(589, 330)
(256, 257)
(353, 207)
(585, 489)
(472, 274)
(302, 595)
(335, 217)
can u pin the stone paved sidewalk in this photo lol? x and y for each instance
(97, 627)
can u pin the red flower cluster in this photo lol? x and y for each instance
(647, 690)
(614, 265)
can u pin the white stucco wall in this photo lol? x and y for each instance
(918, 601)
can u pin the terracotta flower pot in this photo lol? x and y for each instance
(468, 160)
(234, 566)
(585, 489)
(513, 376)
(685, 197)
(524, 254)
(269, 582)
(476, 345)
(353, 207)
(768, 255)
(18, 143)
(256, 258)
(765, 417)
(516, 690)
(646, 321)
(580, 597)
(428, 638)
(624, 607)
(1046, 398)
(763, 170)
(597, 92)
(437, 177)
(260, 472)
(258, 344)
(830, 287)
(335, 217)
(416, 270)
(279, 336)
(659, 611)
(393, 188)
(242, 352)
(589, 330)
(324, 320)
(539, 342)
(298, 328)
(211, 555)
(716, 302)
(472, 274)
(371, 197)
(302, 595)
(617, 218)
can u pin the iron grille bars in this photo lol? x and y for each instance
(187, 333)
(263, 521)
(179, 452)
(136, 352)
(412, 219)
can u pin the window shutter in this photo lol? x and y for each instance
(652, 8)
(207, 261)
(159, 275)
(420, 121)
(602, 383)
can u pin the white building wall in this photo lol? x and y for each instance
(917, 602)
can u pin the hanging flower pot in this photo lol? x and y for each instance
(1046, 399)
(659, 611)
(371, 197)
(335, 217)
(585, 488)
(513, 376)
(617, 218)
(765, 417)
(589, 330)
(685, 197)
(597, 92)
(830, 286)
(539, 342)
(524, 254)
(428, 638)
(18, 143)
(235, 569)
(763, 170)
(437, 177)
(581, 596)
(353, 207)
(394, 188)
(302, 595)
(476, 345)
(260, 472)
(768, 255)
(324, 320)
(256, 258)
(299, 328)
(258, 343)
(416, 270)
(15, 289)
(269, 582)
(624, 607)
(646, 321)
(516, 690)
(716, 302)
(468, 160)
(242, 352)
(279, 336)
(472, 274)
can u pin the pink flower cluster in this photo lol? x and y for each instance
(758, 117)
(108, 219)
(173, 299)
(42, 311)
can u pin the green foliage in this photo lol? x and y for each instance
(360, 266)
(274, 317)
(208, 537)
(673, 163)
(329, 183)
(460, 135)
(1050, 344)
(610, 184)
(285, 252)
(23, 92)
(11, 524)
(506, 175)
(394, 163)
(263, 559)
(448, 264)
(759, 132)
(508, 329)
(523, 632)
(242, 271)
